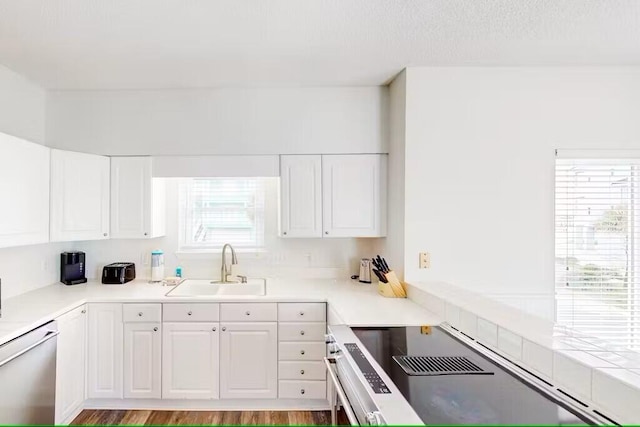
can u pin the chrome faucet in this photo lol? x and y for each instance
(224, 273)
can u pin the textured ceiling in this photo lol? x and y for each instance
(118, 44)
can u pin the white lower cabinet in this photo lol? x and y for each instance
(248, 360)
(190, 361)
(70, 364)
(142, 360)
(104, 351)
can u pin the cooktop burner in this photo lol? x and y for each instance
(478, 393)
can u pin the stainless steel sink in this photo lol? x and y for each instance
(206, 288)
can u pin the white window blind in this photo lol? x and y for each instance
(215, 211)
(597, 226)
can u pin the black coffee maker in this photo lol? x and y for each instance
(72, 268)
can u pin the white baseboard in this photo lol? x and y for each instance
(211, 405)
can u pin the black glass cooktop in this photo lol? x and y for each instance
(498, 398)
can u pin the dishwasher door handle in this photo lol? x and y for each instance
(47, 337)
(341, 395)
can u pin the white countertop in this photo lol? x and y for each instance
(354, 303)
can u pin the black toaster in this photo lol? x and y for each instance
(118, 273)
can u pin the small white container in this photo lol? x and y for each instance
(157, 266)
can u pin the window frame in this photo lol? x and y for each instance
(185, 217)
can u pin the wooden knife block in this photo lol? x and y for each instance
(394, 288)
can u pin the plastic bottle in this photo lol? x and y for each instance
(178, 271)
(157, 265)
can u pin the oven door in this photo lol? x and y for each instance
(358, 407)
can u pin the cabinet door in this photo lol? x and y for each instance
(354, 195)
(70, 364)
(248, 360)
(190, 360)
(24, 188)
(105, 351)
(301, 196)
(142, 357)
(79, 196)
(137, 199)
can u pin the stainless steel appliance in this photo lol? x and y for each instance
(435, 375)
(72, 268)
(365, 271)
(118, 273)
(28, 377)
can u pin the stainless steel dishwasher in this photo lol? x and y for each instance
(28, 377)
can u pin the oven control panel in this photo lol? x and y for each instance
(370, 374)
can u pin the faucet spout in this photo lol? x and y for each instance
(224, 272)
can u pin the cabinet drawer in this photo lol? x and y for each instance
(302, 370)
(141, 313)
(186, 312)
(302, 389)
(243, 312)
(301, 331)
(302, 312)
(302, 350)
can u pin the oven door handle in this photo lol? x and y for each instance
(341, 394)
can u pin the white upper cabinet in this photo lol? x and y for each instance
(138, 207)
(24, 190)
(301, 196)
(354, 195)
(79, 196)
(334, 195)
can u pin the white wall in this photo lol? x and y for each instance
(219, 121)
(22, 107)
(393, 245)
(280, 258)
(480, 165)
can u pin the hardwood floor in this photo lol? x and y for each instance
(111, 417)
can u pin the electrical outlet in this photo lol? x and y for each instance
(425, 260)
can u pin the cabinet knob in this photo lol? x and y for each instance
(301, 371)
(284, 233)
(248, 313)
(104, 234)
(189, 313)
(146, 234)
(213, 329)
(83, 311)
(140, 314)
(155, 329)
(302, 391)
(302, 313)
(326, 232)
(301, 351)
(224, 328)
(301, 332)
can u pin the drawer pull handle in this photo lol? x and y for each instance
(248, 313)
(224, 328)
(301, 332)
(155, 329)
(301, 351)
(301, 371)
(189, 313)
(140, 314)
(301, 391)
(213, 329)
